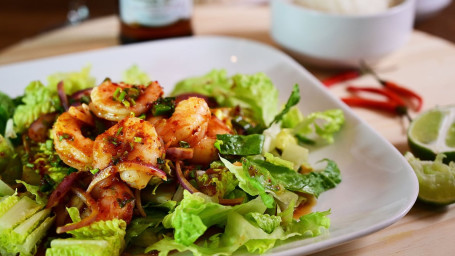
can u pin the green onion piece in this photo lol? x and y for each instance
(122, 96)
(184, 144)
(126, 103)
(137, 139)
(119, 131)
(116, 93)
(95, 171)
(142, 117)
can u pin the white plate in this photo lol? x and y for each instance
(378, 187)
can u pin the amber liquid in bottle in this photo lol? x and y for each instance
(142, 20)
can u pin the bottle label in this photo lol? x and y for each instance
(154, 13)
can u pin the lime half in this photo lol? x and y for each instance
(436, 179)
(432, 133)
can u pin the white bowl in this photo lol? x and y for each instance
(428, 8)
(334, 40)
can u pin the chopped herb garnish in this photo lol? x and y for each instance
(117, 93)
(122, 96)
(30, 165)
(65, 136)
(163, 106)
(142, 117)
(95, 171)
(126, 103)
(119, 131)
(137, 139)
(184, 144)
(71, 170)
(127, 96)
(124, 202)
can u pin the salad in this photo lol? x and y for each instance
(214, 168)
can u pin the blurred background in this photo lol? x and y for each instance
(21, 19)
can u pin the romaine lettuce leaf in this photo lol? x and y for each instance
(134, 75)
(240, 145)
(101, 238)
(197, 212)
(10, 164)
(252, 184)
(316, 125)
(6, 111)
(239, 232)
(313, 183)
(72, 81)
(293, 99)
(39, 99)
(23, 224)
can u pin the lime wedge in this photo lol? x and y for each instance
(432, 133)
(436, 179)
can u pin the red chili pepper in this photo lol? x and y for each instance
(388, 106)
(385, 92)
(398, 89)
(341, 77)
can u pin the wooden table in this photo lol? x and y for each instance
(425, 64)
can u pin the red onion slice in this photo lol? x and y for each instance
(38, 130)
(62, 189)
(182, 180)
(91, 204)
(77, 96)
(62, 95)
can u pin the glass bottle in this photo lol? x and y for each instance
(142, 20)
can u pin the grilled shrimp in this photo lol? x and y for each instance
(71, 145)
(131, 147)
(188, 123)
(192, 122)
(204, 152)
(114, 102)
(114, 198)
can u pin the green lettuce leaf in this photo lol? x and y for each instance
(255, 92)
(313, 183)
(293, 100)
(39, 99)
(72, 81)
(317, 125)
(240, 231)
(240, 145)
(255, 185)
(134, 75)
(10, 164)
(23, 224)
(196, 212)
(138, 226)
(102, 238)
(40, 197)
(266, 222)
(7, 108)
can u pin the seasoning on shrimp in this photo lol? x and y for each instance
(71, 145)
(116, 101)
(131, 147)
